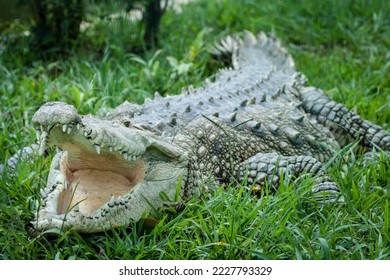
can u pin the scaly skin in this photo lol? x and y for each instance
(254, 122)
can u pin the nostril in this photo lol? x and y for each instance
(55, 113)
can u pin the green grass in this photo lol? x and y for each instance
(341, 46)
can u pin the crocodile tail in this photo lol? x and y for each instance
(263, 50)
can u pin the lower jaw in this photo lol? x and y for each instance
(88, 185)
(90, 189)
(65, 206)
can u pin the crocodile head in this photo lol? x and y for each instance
(106, 173)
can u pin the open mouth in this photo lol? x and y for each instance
(96, 170)
(91, 180)
(106, 174)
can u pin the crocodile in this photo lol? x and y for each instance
(255, 121)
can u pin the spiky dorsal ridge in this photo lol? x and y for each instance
(261, 68)
(261, 49)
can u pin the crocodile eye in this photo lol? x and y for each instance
(124, 121)
(127, 123)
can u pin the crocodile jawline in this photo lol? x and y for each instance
(92, 176)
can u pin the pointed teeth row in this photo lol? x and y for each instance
(99, 143)
(128, 157)
(131, 157)
(125, 154)
(42, 134)
(68, 128)
(114, 202)
(97, 148)
(91, 135)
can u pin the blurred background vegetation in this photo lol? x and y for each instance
(52, 27)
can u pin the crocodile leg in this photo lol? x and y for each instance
(268, 167)
(24, 154)
(344, 124)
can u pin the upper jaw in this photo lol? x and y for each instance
(103, 149)
(55, 120)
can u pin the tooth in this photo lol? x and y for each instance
(110, 149)
(65, 185)
(38, 133)
(87, 132)
(64, 127)
(97, 148)
(78, 126)
(69, 130)
(42, 144)
(111, 202)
